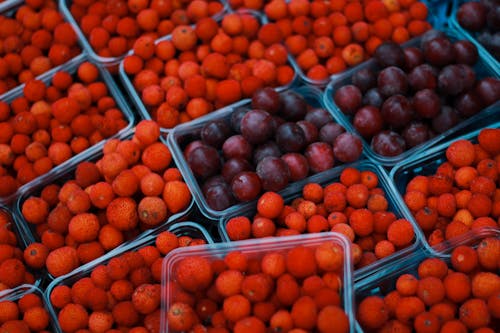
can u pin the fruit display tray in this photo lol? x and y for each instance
(256, 249)
(426, 163)
(27, 289)
(187, 228)
(472, 36)
(384, 280)
(65, 6)
(141, 107)
(483, 68)
(396, 205)
(113, 91)
(63, 175)
(181, 135)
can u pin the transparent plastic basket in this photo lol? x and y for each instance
(63, 175)
(9, 8)
(27, 289)
(256, 249)
(181, 135)
(190, 229)
(141, 108)
(436, 17)
(23, 240)
(333, 175)
(472, 36)
(113, 91)
(384, 281)
(483, 68)
(426, 164)
(110, 62)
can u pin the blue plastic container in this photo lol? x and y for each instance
(183, 134)
(68, 173)
(256, 249)
(143, 111)
(396, 205)
(190, 229)
(470, 35)
(384, 281)
(426, 164)
(483, 68)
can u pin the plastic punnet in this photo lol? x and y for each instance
(181, 135)
(27, 289)
(113, 91)
(426, 164)
(63, 175)
(483, 68)
(472, 36)
(190, 229)
(143, 111)
(65, 6)
(396, 205)
(256, 249)
(384, 281)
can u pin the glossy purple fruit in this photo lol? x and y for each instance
(456, 79)
(237, 146)
(397, 111)
(439, 52)
(488, 90)
(311, 132)
(388, 143)
(215, 132)
(373, 97)
(446, 119)
(390, 54)
(368, 121)
(348, 98)
(319, 156)
(416, 133)
(347, 148)
(266, 99)
(234, 166)
(468, 104)
(465, 52)
(273, 173)
(192, 146)
(290, 138)
(423, 77)
(330, 131)
(413, 57)
(297, 164)
(218, 193)
(294, 106)
(472, 16)
(236, 117)
(269, 148)
(427, 103)
(392, 81)
(256, 126)
(364, 79)
(246, 186)
(318, 116)
(204, 161)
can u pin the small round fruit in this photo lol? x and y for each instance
(246, 186)
(273, 173)
(388, 143)
(368, 121)
(348, 98)
(204, 161)
(256, 126)
(266, 99)
(290, 137)
(347, 148)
